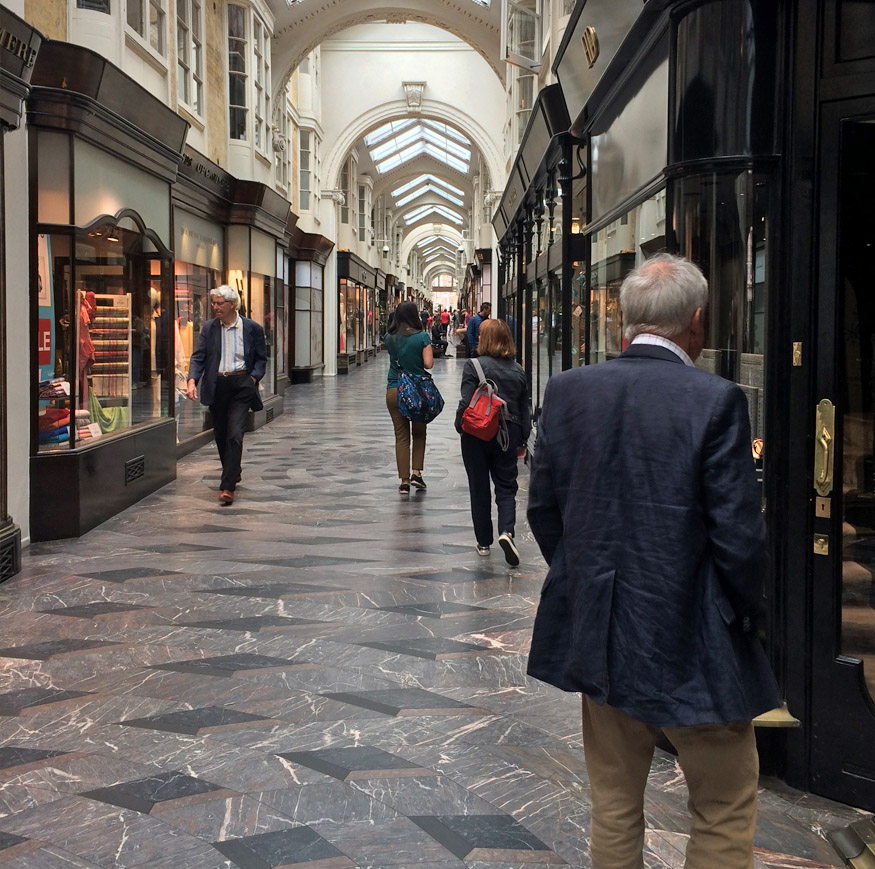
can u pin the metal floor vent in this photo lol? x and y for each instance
(9, 565)
(269, 415)
(855, 844)
(134, 469)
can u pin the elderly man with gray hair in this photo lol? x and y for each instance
(228, 362)
(644, 502)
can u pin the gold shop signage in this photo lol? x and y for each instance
(19, 46)
(590, 42)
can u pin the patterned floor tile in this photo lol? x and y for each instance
(348, 764)
(209, 719)
(165, 788)
(293, 678)
(299, 846)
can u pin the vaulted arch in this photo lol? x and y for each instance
(302, 26)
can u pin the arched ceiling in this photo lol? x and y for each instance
(423, 161)
(301, 25)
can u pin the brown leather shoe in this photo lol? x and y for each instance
(226, 497)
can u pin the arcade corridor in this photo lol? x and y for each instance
(321, 675)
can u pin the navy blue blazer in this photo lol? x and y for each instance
(203, 367)
(644, 501)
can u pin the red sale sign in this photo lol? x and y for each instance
(44, 341)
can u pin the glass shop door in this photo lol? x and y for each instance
(842, 546)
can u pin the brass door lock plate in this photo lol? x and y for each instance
(822, 508)
(821, 544)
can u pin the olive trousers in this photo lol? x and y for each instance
(720, 764)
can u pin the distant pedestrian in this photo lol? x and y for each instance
(485, 459)
(445, 321)
(423, 316)
(474, 328)
(644, 501)
(229, 360)
(409, 347)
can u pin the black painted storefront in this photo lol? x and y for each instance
(738, 133)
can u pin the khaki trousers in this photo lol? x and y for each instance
(403, 428)
(721, 766)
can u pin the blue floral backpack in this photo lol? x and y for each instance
(419, 399)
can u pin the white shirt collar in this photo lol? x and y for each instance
(232, 325)
(659, 341)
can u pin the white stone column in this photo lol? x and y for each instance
(329, 202)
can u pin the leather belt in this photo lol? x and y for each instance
(233, 373)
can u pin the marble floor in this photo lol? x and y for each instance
(321, 675)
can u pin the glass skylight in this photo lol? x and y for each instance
(400, 141)
(433, 238)
(425, 210)
(425, 189)
(421, 179)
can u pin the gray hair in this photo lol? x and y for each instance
(229, 294)
(661, 296)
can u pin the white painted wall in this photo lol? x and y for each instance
(362, 71)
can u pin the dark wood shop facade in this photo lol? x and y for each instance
(741, 134)
(130, 229)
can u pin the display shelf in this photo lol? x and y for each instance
(111, 335)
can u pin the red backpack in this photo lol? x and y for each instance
(484, 417)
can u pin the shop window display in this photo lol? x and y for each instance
(192, 285)
(102, 341)
(615, 250)
(308, 315)
(722, 225)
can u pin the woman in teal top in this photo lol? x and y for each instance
(410, 348)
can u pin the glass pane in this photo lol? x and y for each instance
(94, 5)
(236, 55)
(522, 29)
(192, 285)
(237, 123)
(156, 27)
(181, 83)
(55, 336)
(857, 376)
(615, 250)
(237, 22)
(136, 18)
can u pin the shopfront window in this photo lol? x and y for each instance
(722, 225)
(308, 315)
(578, 315)
(192, 285)
(262, 309)
(615, 250)
(104, 335)
(351, 316)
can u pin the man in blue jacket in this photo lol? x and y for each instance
(474, 328)
(229, 360)
(644, 502)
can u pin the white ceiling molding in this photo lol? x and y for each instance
(413, 91)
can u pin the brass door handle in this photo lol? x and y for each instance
(825, 444)
(824, 448)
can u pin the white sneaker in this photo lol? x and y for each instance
(511, 553)
(482, 550)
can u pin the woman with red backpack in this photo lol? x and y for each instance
(495, 457)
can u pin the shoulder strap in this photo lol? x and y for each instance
(479, 369)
